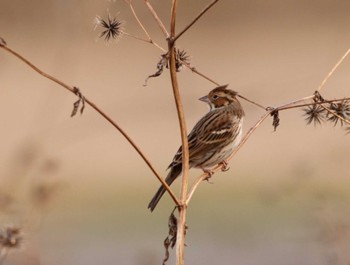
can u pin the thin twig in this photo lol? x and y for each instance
(333, 70)
(158, 20)
(196, 19)
(138, 20)
(251, 101)
(194, 70)
(145, 40)
(294, 102)
(150, 40)
(308, 104)
(103, 114)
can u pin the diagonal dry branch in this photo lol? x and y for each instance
(102, 113)
(196, 19)
(333, 70)
(158, 20)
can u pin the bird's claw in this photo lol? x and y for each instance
(224, 166)
(209, 173)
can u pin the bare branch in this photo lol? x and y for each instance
(137, 19)
(333, 70)
(196, 19)
(251, 101)
(156, 17)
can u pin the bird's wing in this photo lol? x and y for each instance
(210, 132)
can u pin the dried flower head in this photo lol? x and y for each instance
(342, 109)
(314, 114)
(111, 27)
(10, 238)
(181, 58)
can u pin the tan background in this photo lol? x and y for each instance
(285, 199)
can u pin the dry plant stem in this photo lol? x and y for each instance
(285, 106)
(333, 70)
(309, 104)
(219, 166)
(145, 40)
(156, 17)
(253, 102)
(137, 19)
(149, 39)
(196, 19)
(181, 222)
(104, 115)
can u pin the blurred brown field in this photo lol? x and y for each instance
(79, 191)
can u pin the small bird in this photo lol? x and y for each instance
(212, 139)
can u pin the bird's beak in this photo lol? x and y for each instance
(205, 99)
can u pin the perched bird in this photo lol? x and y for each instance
(212, 139)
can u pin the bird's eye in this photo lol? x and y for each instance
(215, 97)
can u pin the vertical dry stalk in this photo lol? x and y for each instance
(181, 223)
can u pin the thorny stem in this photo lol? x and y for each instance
(103, 114)
(196, 19)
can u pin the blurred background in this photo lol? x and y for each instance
(79, 191)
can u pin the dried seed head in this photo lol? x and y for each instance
(342, 109)
(314, 114)
(111, 27)
(181, 58)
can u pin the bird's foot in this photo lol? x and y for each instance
(224, 166)
(209, 173)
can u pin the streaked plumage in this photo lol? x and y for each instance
(212, 139)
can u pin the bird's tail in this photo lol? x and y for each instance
(173, 174)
